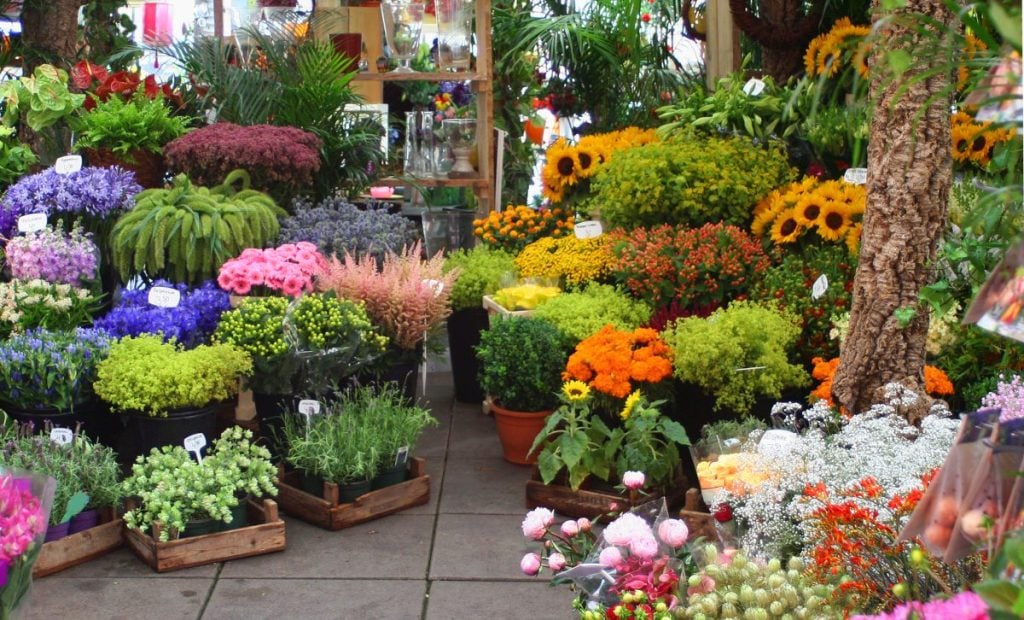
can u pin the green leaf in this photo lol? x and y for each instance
(899, 61)
(905, 315)
(577, 476)
(997, 593)
(674, 431)
(573, 447)
(548, 464)
(1009, 27)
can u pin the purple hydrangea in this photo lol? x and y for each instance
(191, 322)
(54, 256)
(90, 192)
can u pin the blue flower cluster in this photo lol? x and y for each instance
(41, 368)
(191, 322)
(336, 227)
(89, 192)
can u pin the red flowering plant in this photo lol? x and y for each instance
(100, 84)
(700, 268)
(854, 537)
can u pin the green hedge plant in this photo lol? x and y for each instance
(521, 363)
(138, 124)
(580, 314)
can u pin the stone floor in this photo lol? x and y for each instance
(456, 557)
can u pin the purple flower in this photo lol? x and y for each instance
(41, 368)
(54, 256)
(191, 322)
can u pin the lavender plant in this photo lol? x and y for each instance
(190, 323)
(337, 227)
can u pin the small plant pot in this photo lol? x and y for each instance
(348, 492)
(152, 432)
(56, 532)
(314, 485)
(517, 431)
(239, 515)
(84, 520)
(389, 477)
(148, 167)
(199, 527)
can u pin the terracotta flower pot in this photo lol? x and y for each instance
(517, 431)
(147, 166)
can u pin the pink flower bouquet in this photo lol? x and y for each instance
(289, 269)
(24, 511)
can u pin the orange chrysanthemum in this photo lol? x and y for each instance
(612, 361)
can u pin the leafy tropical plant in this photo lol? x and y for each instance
(185, 233)
(41, 99)
(125, 126)
(521, 361)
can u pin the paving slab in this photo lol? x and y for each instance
(435, 469)
(117, 599)
(124, 565)
(479, 547)
(473, 433)
(484, 486)
(456, 600)
(394, 547)
(256, 599)
(434, 440)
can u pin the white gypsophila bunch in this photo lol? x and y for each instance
(878, 443)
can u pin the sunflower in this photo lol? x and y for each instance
(576, 391)
(853, 238)
(786, 229)
(764, 219)
(554, 194)
(589, 160)
(808, 209)
(630, 405)
(834, 221)
(597, 146)
(860, 59)
(562, 165)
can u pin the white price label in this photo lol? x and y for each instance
(857, 176)
(754, 87)
(195, 444)
(309, 407)
(819, 287)
(588, 230)
(61, 436)
(164, 297)
(31, 222)
(402, 457)
(436, 285)
(68, 164)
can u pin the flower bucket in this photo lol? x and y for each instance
(199, 527)
(84, 520)
(349, 492)
(517, 431)
(39, 417)
(464, 327)
(56, 532)
(148, 167)
(151, 432)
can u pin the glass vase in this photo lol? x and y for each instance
(411, 152)
(461, 135)
(426, 144)
(454, 34)
(403, 27)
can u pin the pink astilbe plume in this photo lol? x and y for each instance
(402, 297)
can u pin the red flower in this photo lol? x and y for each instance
(646, 17)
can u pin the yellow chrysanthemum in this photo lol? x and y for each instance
(630, 405)
(808, 209)
(576, 391)
(834, 221)
(560, 170)
(785, 228)
(853, 238)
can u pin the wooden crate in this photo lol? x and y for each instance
(494, 307)
(265, 536)
(80, 547)
(327, 513)
(589, 502)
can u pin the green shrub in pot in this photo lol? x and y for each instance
(521, 363)
(581, 314)
(482, 271)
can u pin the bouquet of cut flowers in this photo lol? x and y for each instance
(288, 269)
(190, 323)
(27, 304)
(53, 255)
(24, 511)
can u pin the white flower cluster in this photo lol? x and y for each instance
(877, 443)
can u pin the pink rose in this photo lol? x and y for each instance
(644, 547)
(610, 557)
(530, 564)
(570, 528)
(536, 523)
(556, 562)
(633, 480)
(673, 532)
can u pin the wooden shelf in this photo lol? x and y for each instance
(421, 76)
(476, 183)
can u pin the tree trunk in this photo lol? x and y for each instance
(49, 32)
(909, 175)
(782, 28)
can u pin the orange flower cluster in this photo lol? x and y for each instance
(611, 360)
(516, 227)
(936, 381)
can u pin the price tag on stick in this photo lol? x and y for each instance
(61, 436)
(819, 287)
(68, 164)
(587, 230)
(195, 444)
(857, 176)
(402, 457)
(164, 297)
(308, 409)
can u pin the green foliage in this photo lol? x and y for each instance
(580, 314)
(125, 126)
(689, 181)
(482, 271)
(174, 489)
(41, 99)
(737, 354)
(521, 363)
(185, 233)
(650, 443)
(257, 327)
(146, 375)
(575, 439)
(1003, 590)
(357, 436)
(16, 159)
(107, 31)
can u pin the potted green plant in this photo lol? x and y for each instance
(521, 363)
(189, 497)
(482, 271)
(580, 314)
(168, 392)
(129, 133)
(186, 232)
(44, 103)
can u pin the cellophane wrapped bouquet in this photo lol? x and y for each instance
(25, 501)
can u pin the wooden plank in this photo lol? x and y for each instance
(78, 548)
(421, 76)
(586, 502)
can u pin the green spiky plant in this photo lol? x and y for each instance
(185, 233)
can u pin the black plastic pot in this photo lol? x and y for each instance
(389, 477)
(199, 527)
(270, 410)
(403, 372)
(239, 515)
(152, 432)
(314, 485)
(464, 327)
(348, 492)
(39, 417)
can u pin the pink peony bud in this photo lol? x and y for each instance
(633, 480)
(556, 562)
(570, 528)
(530, 564)
(536, 523)
(673, 533)
(610, 557)
(644, 547)
(584, 524)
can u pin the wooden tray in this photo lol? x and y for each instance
(494, 307)
(265, 536)
(80, 547)
(327, 513)
(589, 503)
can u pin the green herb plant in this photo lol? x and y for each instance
(521, 362)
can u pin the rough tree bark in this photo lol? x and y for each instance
(909, 175)
(783, 28)
(49, 31)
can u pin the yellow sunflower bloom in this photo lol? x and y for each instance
(562, 165)
(596, 146)
(576, 391)
(589, 161)
(834, 221)
(808, 209)
(630, 405)
(785, 228)
(853, 238)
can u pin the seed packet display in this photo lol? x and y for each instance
(936, 515)
(986, 500)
